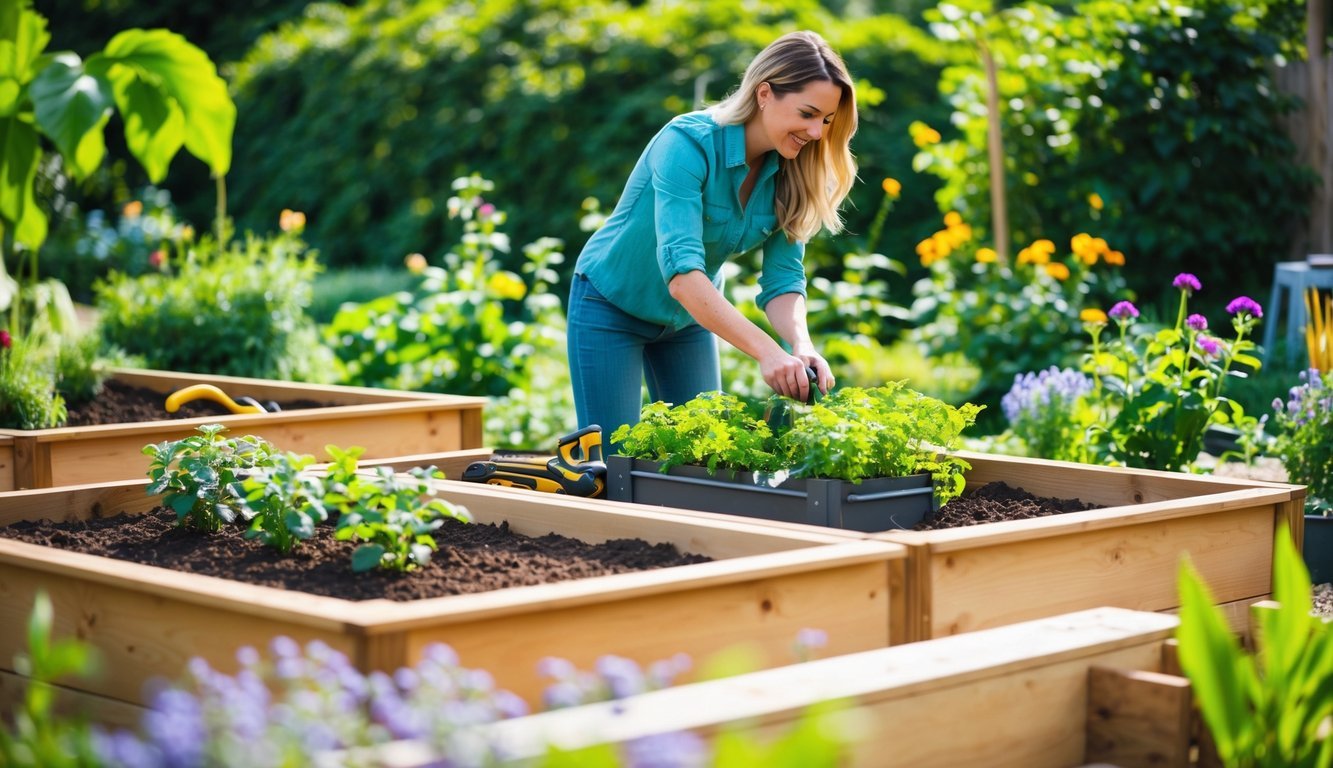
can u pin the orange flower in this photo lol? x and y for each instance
(923, 135)
(291, 221)
(132, 209)
(952, 219)
(416, 263)
(1092, 315)
(1058, 271)
(1095, 200)
(892, 187)
(1045, 246)
(987, 256)
(1115, 258)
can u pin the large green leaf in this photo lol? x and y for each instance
(154, 124)
(164, 60)
(20, 153)
(23, 37)
(71, 108)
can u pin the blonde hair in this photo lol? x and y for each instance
(811, 188)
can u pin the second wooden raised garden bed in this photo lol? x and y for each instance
(763, 586)
(384, 422)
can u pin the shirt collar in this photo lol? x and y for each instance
(734, 149)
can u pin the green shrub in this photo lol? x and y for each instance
(1167, 112)
(1304, 423)
(236, 310)
(28, 397)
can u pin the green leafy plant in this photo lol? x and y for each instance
(1156, 392)
(39, 737)
(234, 309)
(1047, 412)
(283, 503)
(1272, 708)
(1304, 422)
(202, 476)
(853, 434)
(393, 514)
(28, 396)
(167, 91)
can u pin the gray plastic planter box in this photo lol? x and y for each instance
(877, 504)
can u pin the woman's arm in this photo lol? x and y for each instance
(783, 372)
(786, 312)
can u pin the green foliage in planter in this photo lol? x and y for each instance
(284, 504)
(393, 514)
(1304, 439)
(236, 309)
(28, 396)
(1168, 112)
(202, 475)
(1272, 708)
(853, 434)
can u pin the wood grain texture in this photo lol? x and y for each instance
(1136, 717)
(71, 702)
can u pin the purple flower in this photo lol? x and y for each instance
(1034, 394)
(810, 638)
(1210, 346)
(1187, 283)
(1246, 305)
(1197, 322)
(675, 749)
(623, 676)
(1124, 311)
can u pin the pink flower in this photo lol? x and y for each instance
(6, 341)
(1197, 322)
(1187, 283)
(1124, 311)
(1210, 346)
(1245, 304)
(486, 210)
(156, 259)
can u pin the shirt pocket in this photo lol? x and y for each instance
(758, 231)
(716, 219)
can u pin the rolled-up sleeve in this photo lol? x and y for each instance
(679, 169)
(783, 268)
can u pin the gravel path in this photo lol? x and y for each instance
(1323, 600)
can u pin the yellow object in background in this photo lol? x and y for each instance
(1319, 331)
(208, 392)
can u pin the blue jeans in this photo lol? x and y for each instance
(611, 352)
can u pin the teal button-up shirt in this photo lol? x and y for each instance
(681, 211)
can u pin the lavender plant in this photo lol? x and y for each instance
(1304, 423)
(1046, 410)
(1154, 393)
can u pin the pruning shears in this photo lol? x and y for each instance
(241, 404)
(778, 412)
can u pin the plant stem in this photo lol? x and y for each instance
(220, 215)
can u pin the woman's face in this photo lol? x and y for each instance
(798, 118)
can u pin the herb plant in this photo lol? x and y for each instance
(202, 476)
(1273, 708)
(394, 515)
(1304, 423)
(284, 503)
(853, 434)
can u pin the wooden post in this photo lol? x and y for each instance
(995, 152)
(1138, 718)
(1316, 111)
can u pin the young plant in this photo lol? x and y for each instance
(28, 397)
(1273, 708)
(715, 430)
(393, 514)
(201, 475)
(284, 503)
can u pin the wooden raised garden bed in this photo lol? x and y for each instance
(384, 422)
(1095, 686)
(763, 586)
(1125, 554)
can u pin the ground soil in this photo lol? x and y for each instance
(996, 502)
(120, 403)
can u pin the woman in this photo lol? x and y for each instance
(767, 167)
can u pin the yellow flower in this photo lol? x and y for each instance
(987, 255)
(416, 263)
(1092, 315)
(1045, 246)
(926, 250)
(1058, 270)
(892, 187)
(132, 209)
(1095, 200)
(1115, 258)
(291, 221)
(1081, 245)
(923, 135)
(943, 245)
(187, 232)
(952, 219)
(506, 285)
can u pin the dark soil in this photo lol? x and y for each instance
(995, 502)
(120, 403)
(472, 557)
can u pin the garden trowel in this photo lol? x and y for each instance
(778, 414)
(209, 392)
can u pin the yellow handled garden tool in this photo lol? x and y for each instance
(576, 469)
(209, 392)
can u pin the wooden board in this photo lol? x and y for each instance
(1012, 696)
(386, 423)
(764, 586)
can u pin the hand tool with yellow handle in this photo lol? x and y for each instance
(209, 392)
(577, 468)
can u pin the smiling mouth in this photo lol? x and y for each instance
(800, 142)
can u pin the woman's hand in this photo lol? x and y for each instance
(823, 373)
(786, 375)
